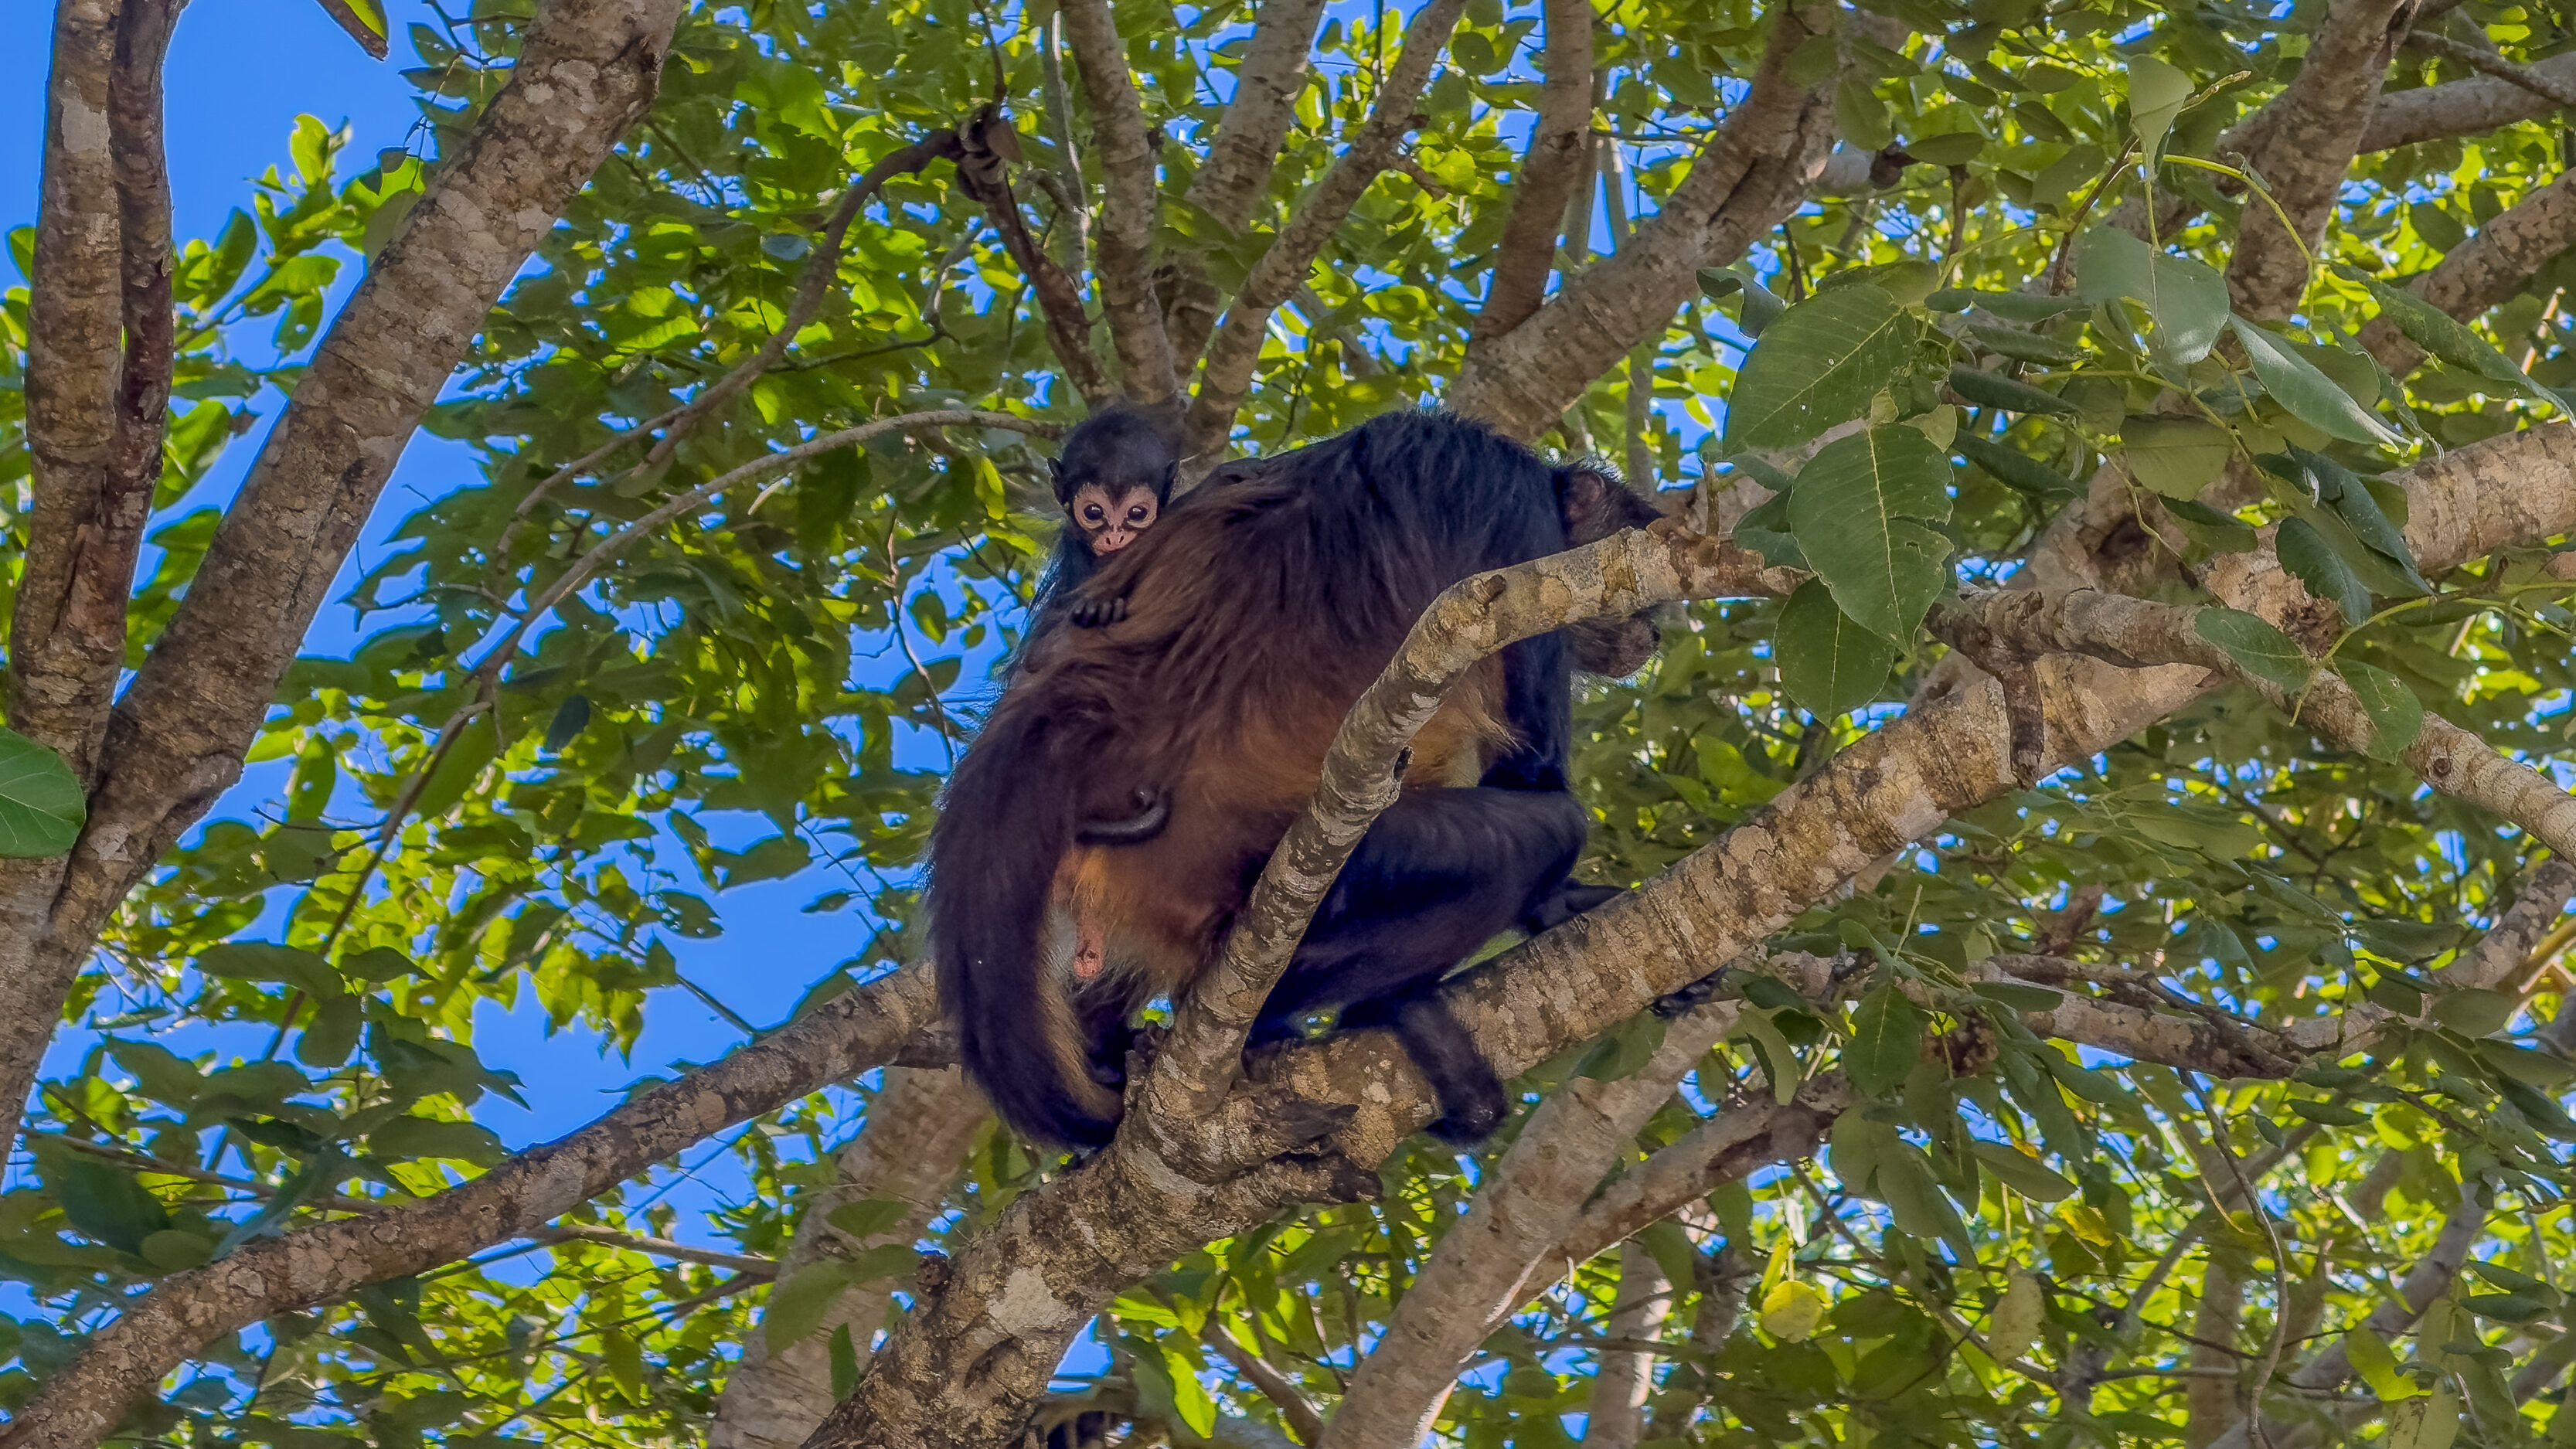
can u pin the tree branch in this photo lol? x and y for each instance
(1527, 254)
(1274, 1385)
(177, 739)
(1752, 171)
(1235, 178)
(1226, 377)
(1616, 1416)
(2463, 107)
(101, 340)
(154, 1334)
(1490, 1261)
(919, 1127)
(1130, 206)
(2313, 129)
(2558, 90)
(2485, 269)
(988, 142)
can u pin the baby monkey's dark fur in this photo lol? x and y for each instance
(1113, 477)
(1256, 613)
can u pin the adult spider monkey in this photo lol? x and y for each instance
(1256, 614)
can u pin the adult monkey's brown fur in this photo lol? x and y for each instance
(1257, 612)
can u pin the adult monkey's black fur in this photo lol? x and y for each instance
(1257, 614)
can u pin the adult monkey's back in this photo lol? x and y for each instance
(1257, 613)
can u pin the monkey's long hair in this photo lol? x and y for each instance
(1257, 614)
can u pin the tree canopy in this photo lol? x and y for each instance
(2098, 816)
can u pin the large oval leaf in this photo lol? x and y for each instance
(1830, 665)
(41, 805)
(2187, 299)
(2310, 395)
(1818, 364)
(1863, 512)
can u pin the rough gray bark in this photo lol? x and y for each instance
(2460, 108)
(1495, 1257)
(2315, 126)
(1232, 183)
(919, 1128)
(1526, 255)
(2486, 269)
(1752, 172)
(1123, 237)
(177, 739)
(1235, 352)
(81, 1404)
(1617, 1412)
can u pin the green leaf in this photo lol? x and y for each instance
(1189, 1397)
(2157, 92)
(2396, 715)
(107, 1202)
(2257, 648)
(797, 1306)
(2370, 1357)
(2016, 469)
(1861, 115)
(41, 805)
(2315, 564)
(364, 20)
(2019, 1171)
(1887, 1038)
(377, 964)
(264, 961)
(2016, 1321)
(2474, 1010)
(173, 1250)
(2187, 299)
(845, 1363)
(162, 1074)
(2431, 1422)
(1994, 390)
(331, 1031)
(2023, 307)
(412, 1137)
(1828, 664)
(1764, 528)
(2176, 457)
(2022, 346)
(2452, 341)
(1761, 308)
(2310, 395)
(1863, 512)
(2019, 995)
(1818, 364)
(868, 1218)
(1950, 148)
(571, 718)
(1717, 284)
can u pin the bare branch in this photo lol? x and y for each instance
(2558, 90)
(1226, 377)
(1274, 1385)
(1232, 183)
(1726, 1148)
(1527, 253)
(2312, 130)
(1752, 172)
(2463, 107)
(96, 409)
(920, 1126)
(1616, 1416)
(1494, 1258)
(154, 1334)
(989, 142)
(2485, 269)
(1129, 207)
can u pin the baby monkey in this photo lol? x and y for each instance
(1114, 477)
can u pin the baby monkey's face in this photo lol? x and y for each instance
(1110, 522)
